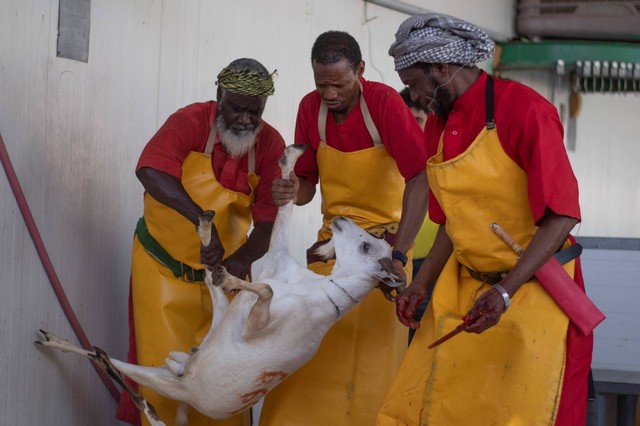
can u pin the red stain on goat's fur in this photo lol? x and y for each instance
(249, 399)
(265, 380)
(268, 377)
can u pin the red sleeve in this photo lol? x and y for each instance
(432, 131)
(307, 134)
(184, 131)
(533, 136)
(269, 150)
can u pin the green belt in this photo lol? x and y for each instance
(179, 269)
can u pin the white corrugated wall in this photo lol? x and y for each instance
(74, 131)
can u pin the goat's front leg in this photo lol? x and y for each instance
(218, 298)
(259, 314)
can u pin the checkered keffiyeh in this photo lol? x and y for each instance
(439, 38)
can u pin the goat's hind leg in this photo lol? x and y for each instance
(102, 360)
(50, 340)
(259, 314)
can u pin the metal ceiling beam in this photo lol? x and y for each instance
(399, 6)
(410, 9)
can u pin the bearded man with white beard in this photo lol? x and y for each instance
(215, 155)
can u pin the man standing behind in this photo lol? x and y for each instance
(216, 156)
(419, 112)
(497, 155)
(363, 145)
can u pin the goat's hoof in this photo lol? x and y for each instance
(43, 336)
(99, 354)
(218, 275)
(46, 338)
(207, 216)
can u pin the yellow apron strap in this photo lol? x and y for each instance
(211, 140)
(371, 127)
(322, 120)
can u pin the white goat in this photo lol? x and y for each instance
(269, 330)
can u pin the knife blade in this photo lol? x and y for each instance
(449, 335)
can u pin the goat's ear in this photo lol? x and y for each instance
(326, 251)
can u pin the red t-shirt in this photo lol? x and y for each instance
(530, 133)
(188, 129)
(399, 131)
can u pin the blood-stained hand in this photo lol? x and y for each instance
(486, 311)
(285, 190)
(407, 303)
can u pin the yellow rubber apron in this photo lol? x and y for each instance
(172, 314)
(345, 382)
(512, 373)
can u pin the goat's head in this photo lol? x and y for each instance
(360, 251)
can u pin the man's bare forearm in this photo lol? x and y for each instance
(435, 260)
(169, 191)
(258, 242)
(551, 234)
(414, 208)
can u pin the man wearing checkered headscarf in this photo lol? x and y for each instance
(439, 38)
(497, 155)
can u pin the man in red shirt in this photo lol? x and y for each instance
(496, 155)
(363, 146)
(218, 156)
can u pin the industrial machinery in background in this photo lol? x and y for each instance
(580, 19)
(595, 42)
(587, 46)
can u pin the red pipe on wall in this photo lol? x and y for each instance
(48, 266)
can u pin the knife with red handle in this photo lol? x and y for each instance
(561, 287)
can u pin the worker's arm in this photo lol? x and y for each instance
(414, 208)
(168, 190)
(239, 263)
(553, 232)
